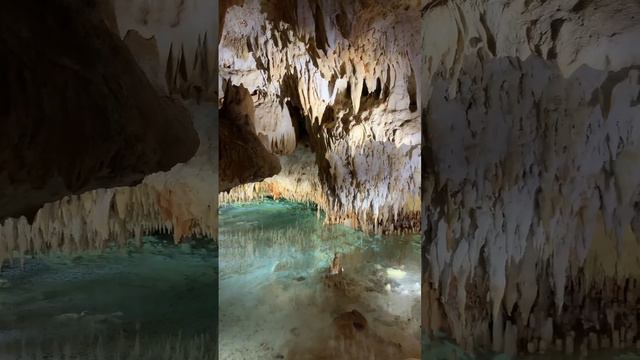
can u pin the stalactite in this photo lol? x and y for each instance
(185, 50)
(530, 192)
(181, 200)
(298, 181)
(367, 142)
(92, 221)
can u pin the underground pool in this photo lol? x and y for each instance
(154, 301)
(292, 287)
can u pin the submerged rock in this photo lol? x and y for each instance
(281, 266)
(336, 265)
(349, 323)
(70, 316)
(396, 274)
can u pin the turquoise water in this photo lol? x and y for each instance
(279, 301)
(157, 301)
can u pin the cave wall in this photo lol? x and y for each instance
(174, 43)
(530, 186)
(297, 180)
(76, 112)
(243, 157)
(173, 58)
(338, 80)
(181, 201)
(180, 52)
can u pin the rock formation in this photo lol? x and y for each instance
(243, 158)
(530, 187)
(77, 112)
(171, 56)
(180, 51)
(181, 201)
(332, 84)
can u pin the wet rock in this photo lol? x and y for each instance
(281, 266)
(396, 274)
(343, 285)
(348, 324)
(336, 265)
(593, 341)
(542, 346)
(70, 316)
(569, 345)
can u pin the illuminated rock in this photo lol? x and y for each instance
(332, 84)
(530, 190)
(182, 198)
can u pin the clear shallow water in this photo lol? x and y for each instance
(154, 302)
(278, 301)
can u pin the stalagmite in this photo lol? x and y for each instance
(569, 344)
(593, 341)
(584, 352)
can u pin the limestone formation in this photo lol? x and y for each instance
(180, 51)
(530, 187)
(180, 199)
(296, 181)
(350, 322)
(181, 202)
(333, 83)
(336, 265)
(77, 113)
(243, 158)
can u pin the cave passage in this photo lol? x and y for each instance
(279, 300)
(134, 302)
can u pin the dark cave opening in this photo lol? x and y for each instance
(412, 89)
(299, 123)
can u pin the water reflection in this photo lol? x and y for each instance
(279, 299)
(154, 302)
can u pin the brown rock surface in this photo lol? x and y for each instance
(243, 158)
(349, 323)
(530, 117)
(333, 82)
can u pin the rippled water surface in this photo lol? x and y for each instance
(157, 301)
